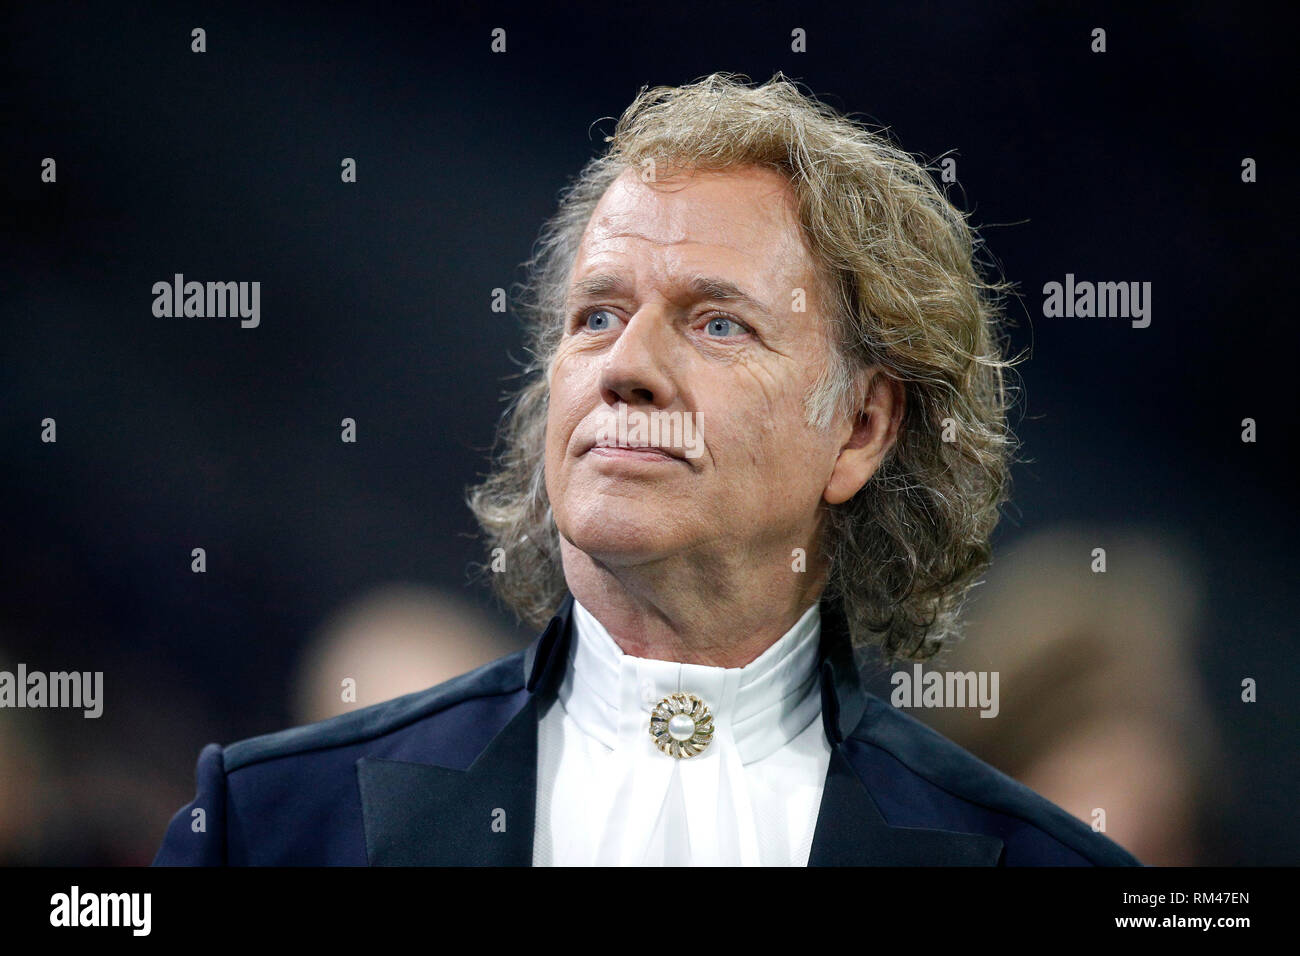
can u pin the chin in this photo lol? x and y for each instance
(621, 535)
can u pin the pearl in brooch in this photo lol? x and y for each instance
(681, 725)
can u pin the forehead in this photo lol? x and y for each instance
(743, 220)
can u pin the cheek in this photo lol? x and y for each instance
(555, 474)
(566, 405)
(561, 419)
(563, 403)
(573, 387)
(768, 420)
(554, 447)
(786, 456)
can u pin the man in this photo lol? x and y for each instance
(764, 426)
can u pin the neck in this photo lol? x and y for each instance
(710, 611)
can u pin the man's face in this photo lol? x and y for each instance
(683, 299)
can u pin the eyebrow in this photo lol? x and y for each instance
(700, 286)
(601, 284)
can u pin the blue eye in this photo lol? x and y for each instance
(599, 320)
(723, 327)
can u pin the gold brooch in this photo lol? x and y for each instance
(681, 725)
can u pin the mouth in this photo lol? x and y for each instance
(639, 453)
(636, 437)
(612, 449)
(611, 446)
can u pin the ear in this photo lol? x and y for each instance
(870, 434)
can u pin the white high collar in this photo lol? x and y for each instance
(756, 709)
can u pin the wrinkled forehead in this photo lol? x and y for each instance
(743, 219)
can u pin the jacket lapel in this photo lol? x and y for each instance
(423, 815)
(851, 832)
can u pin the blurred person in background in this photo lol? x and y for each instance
(88, 792)
(392, 641)
(1101, 709)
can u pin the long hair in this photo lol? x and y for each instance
(905, 297)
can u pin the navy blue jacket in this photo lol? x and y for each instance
(448, 776)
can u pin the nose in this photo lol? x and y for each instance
(636, 369)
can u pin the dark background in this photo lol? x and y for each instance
(184, 432)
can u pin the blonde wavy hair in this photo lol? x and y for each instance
(898, 262)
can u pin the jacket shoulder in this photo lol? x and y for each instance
(502, 676)
(921, 778)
